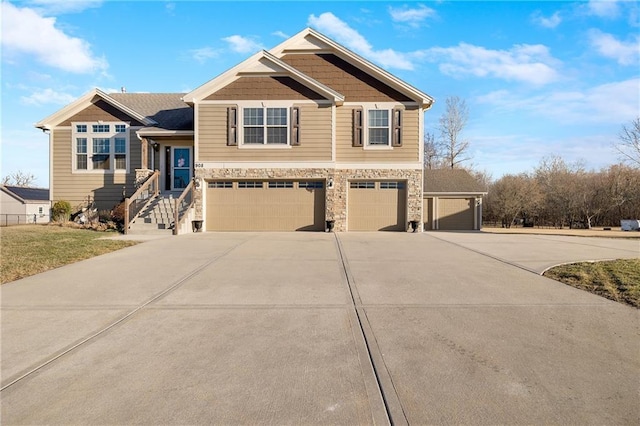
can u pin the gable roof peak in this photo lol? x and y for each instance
(262, 62)
(310, 40)
(84, 101)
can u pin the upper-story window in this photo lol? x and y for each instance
(104, 148)
(378, 130)
(377, 127)
(256, 125)
(265, 126)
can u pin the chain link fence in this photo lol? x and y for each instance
(9, 219)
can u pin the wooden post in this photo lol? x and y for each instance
(144, 153)
(126, 215)
(176, 216)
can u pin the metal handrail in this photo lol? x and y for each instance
(178, 220)
(152, 180)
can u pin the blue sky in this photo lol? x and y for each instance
(540, 78)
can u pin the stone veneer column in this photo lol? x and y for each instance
(141, 176)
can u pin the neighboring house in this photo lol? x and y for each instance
(305, 133)
(452, 200)
(23, 205)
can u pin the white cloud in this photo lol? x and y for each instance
(242, 44)
(412, 17)
(58, 7)
(47, 96)
(611, 103)
(550, 22)
(204, 53)
(27, 32)
(337, 29)
(603, 8)
(280, 34)
(625, 53)
(527, 63)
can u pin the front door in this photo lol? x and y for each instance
(181, 170)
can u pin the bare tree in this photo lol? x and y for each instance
(451, 125)
(629, 142)
(513, 196)
(555, 178)
(432, 157)
(19, 178)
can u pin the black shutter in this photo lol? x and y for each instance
(232, 126)
(357, 127)
(397, 128)
(295, 126)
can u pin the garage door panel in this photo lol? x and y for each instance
(377, 206)
(456, 214)
(274, 208)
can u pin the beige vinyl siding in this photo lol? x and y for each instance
(77, 187)
(315, 137)
(409, 151)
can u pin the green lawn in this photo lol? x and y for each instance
(30, 249)
(617, 280)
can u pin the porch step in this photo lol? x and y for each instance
(156, 218)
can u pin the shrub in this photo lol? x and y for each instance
(61, 211)
(104, 216)
(117, 214)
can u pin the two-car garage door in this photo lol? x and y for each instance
(282, 205)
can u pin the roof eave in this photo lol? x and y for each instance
(454, 193)
(81, 103)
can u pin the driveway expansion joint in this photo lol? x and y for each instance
(369, 351)
(72, 347)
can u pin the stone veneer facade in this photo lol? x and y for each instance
(336, 198)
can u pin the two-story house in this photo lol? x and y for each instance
(289, 139)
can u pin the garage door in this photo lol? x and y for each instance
(377, 206)
(455, 213)
(265, 205)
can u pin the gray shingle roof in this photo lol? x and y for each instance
(451, 180)
(29, 194)
(166, 109)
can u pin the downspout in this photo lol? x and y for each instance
(47, 129)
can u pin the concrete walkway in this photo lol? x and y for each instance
(314, 328)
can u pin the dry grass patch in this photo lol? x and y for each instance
(617, 280)
(31, 249)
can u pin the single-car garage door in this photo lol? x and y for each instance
(275, 205)
(455, 214)
(377, 206)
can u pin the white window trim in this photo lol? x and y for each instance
(388, 106)
(272, 104)
(89, 136)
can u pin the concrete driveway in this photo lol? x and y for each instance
(314, 328)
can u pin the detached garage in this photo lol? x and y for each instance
(452, 200)
(265, 205)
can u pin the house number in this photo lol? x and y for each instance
(199, 165)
